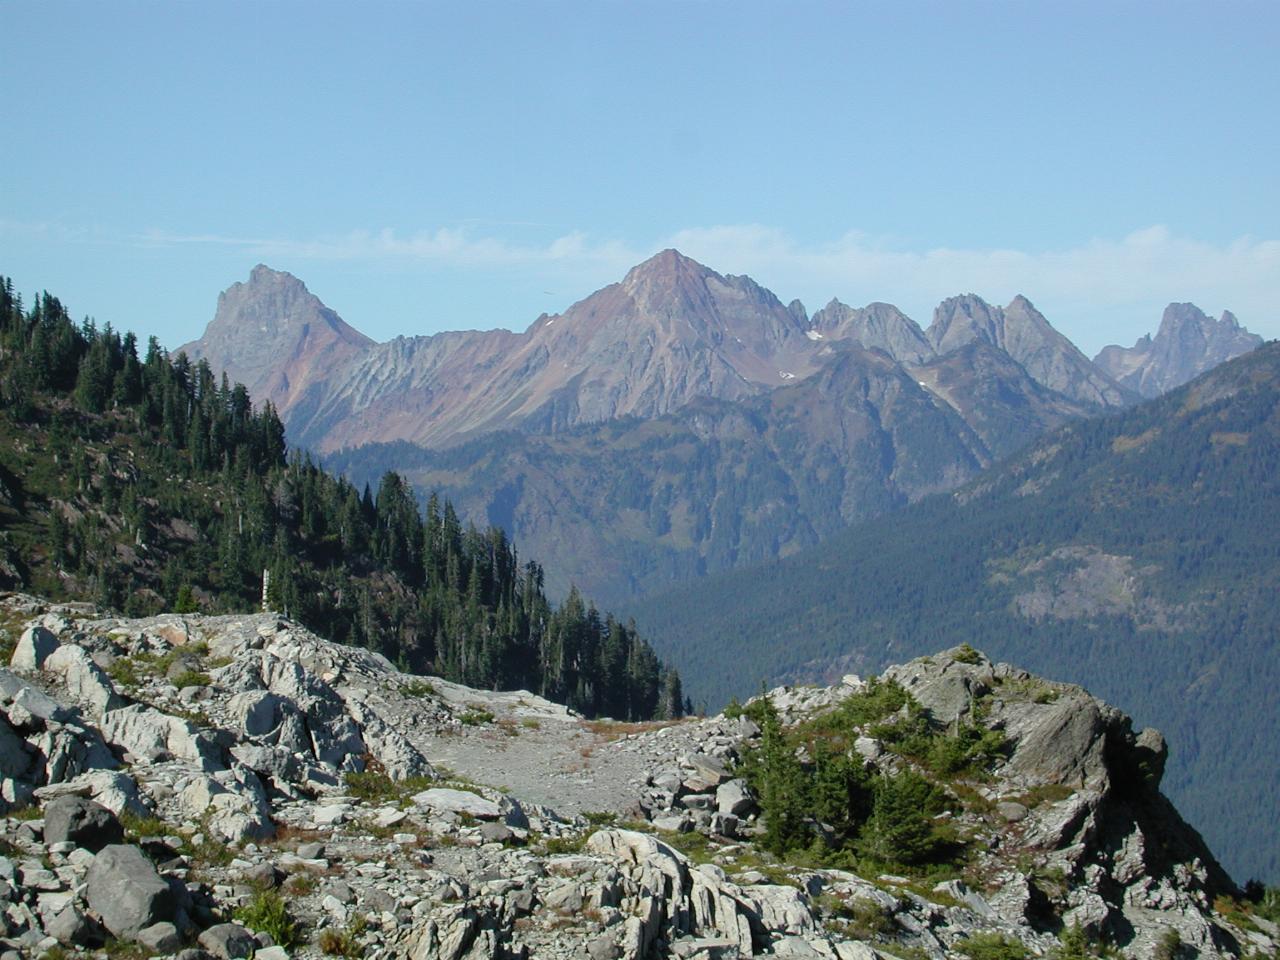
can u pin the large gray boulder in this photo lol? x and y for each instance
(85, 681)
(228, 941)
(116, 791)
(28, 707)
(125, 891)
(69, 750)
(82, 822)
(232, 805)
(947, 685)
(150, 735)
(34, 647)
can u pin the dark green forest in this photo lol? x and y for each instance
(147, 483)
(1137, 554)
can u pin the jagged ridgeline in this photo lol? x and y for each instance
(152, 484)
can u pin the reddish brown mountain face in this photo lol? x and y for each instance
(672, 331)
(276, 337)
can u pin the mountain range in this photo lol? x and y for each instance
(679, 422)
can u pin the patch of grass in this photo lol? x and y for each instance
(367, 828)
(600, 818)
(345, 942)
(856, 918)
(551, 846)
(418, 688)
(191, 678)
(992, 946)
(31, 811)
(1045, 793)
(124, 950)
(124, 671)
(1169, 946)
(376, 786)
(902, 952)
(616, 729)
(1235, 912)
(208, 851)
(141, 827)
(268, 912)
(966, 654)
(475, 718)
(531, 723)
(301, 885)
(1028, 690)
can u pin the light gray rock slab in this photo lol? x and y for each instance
(34, 647)
(733, 797)
(445, 800)
(228, 941)
(147, 734)
(160, 937)
(85, 682)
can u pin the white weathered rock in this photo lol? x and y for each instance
(147, 734)
(734, 798)
(442, 799)
(116, 791)
(231, 807)
(34, 646)
(85, 682)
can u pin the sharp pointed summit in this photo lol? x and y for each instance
(275, 336)
(1023, 332)
(1187, 344)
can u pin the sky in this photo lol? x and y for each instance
(431, 166)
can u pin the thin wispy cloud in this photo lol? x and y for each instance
(445, 245)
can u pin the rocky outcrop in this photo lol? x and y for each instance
(276, 337)
(1186, 345)
(227, 804)
(1025, 335)
(877, 326)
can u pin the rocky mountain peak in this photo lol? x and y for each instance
(668, 266)
(877, 326)
(1187, 343)
(1023, 332)
(275, 336)
(961, 320)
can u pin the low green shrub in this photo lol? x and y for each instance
(268, 913)
(992, 946)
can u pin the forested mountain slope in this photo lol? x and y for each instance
(1136, 554)
(150, 484)
(630, 507)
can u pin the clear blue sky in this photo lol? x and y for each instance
(430, 166)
